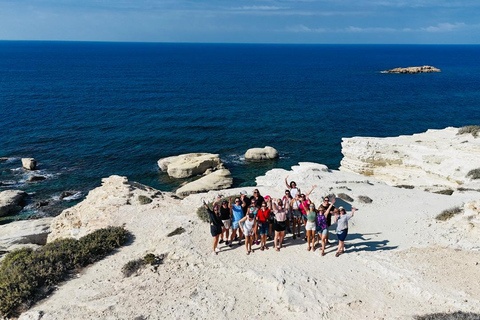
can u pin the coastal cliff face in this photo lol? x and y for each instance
(102, 207)
(433, 160)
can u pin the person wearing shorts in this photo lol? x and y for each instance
(342, 228)
(237, 215)
(325, 205)
(248, 225)
(310, 227)
(263, 216)
(287, 199)
(322, 227)
(280, 224)
(215, 225)
(296, 216)
(225, 211)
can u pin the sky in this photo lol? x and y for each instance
(247, 21)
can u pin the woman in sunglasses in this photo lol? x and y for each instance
(262, 218)
(322, 227)
(342, 228)
(237, 215)
(280, 223)
(215, 224)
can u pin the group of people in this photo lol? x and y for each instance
(259, 219)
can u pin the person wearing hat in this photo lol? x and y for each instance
(342, 228)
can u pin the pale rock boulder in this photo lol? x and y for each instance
(217, 180)
(433, 160)
(29, 163)
(100, 209)
(266, 153)
(190, 164)
(11, 201)
(411, 70)
(23, 233)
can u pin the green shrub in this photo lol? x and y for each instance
(365, 199)
(175, 232)
(132, 267)
(144, 199)
(474, 130)
(26, 275)
(459, 315)
(474, 174)
(345, 197)
(202, 211)
(449, 213)
(405, 186)
(447, 192)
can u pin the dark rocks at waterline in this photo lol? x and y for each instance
(36, 178)
(29, 163)
(4, 159)
(12, 202)
(40, 204)
(70, 195)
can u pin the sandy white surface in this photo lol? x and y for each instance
(400, 262)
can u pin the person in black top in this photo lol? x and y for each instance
(225, 217)
(257, 198)
(245, 199)
(325, 205)
(215, 224)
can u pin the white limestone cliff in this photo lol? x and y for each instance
(433, 160)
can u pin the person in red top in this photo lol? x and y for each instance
(262, 219)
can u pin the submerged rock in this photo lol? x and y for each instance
(190, 164)
(217, 180)
(266, 153)
(36, 178)
(29, 163)
(11, 201)
(423, 69)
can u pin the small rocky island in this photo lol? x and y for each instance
(411, 70)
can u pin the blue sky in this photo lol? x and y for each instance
(260, 21)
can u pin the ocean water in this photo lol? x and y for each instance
(88, 110)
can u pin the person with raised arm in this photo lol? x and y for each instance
(292, 186)
(248, 224)
(215, 224)
(237, 215)
(325, 205)
(322, 227)
(296, 215)
(280, 225)
(287, 200)
(342, 228)
(304, 206)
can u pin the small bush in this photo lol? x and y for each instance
(448, 214)
(459, 315)
(27, 275)
(474, 174)
(144, 199)
(202, 211)
(132, 267)
(405, 186)
(365, 199)
(175, 232)
(345, 197)
(474, 130)
(447, 192)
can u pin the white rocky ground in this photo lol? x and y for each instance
(434, 160)
(399, 262)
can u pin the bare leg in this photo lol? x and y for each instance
(324, 240)
(227, 233)
(282, 235)
(312, 232)
(308, 233)
(247, 242)
(215, 242)
(275, 241)
(234, 232)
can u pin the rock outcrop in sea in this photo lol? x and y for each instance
(422, 69)
(29, 163)
(188, 165)
(11, 201)
(217, 180)
(266, 153)
(433, 160)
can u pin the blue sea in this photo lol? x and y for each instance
(89, 110)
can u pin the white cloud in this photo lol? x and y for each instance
(445, 27)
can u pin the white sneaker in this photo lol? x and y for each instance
(214, 253)
(217, 250)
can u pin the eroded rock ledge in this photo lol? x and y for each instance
(422, 69)
(434, 160)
